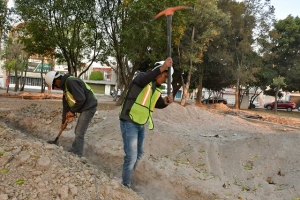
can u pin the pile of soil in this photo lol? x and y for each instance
(33, 169)
(194, 152)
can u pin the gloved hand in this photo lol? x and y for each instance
(70, 116)
(169, 99)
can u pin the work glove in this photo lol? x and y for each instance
(70, 116)
(169, 99)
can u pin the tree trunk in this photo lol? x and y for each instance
(237, 94)
(276, 98)
(186, 89)
(8, 81)
(42, 79)
(24, 78)
(16, 79)
(200, 86)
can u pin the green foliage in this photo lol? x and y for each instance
(279, 81)
(72, 27)
(163, 86)
(284, 57)
(15, 57)
(230, 58)
(20, 181)
(96, 75)
(5, 20)
(272, 92)
(4, 171)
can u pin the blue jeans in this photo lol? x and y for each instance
(81, 127)
(133, 141)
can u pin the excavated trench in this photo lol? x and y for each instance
(32, 119)
(111, 165)
(184, 158)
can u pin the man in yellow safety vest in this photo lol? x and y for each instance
(141, 98)
(78, 97)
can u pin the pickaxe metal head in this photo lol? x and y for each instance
(171, 10)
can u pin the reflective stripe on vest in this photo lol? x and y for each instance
(143, 107)
(69, 97)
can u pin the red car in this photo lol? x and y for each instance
(288, 105)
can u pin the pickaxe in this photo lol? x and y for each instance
(169, 13)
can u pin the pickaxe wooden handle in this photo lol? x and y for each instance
(168, 13)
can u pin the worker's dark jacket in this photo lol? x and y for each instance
(137, 85)
(85, 98)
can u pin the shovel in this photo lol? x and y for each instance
(57, 137)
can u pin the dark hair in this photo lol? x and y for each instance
(56, 77)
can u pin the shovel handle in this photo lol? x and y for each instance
(61, 130)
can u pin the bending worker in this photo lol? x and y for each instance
(78, 97)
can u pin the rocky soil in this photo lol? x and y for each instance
(207, 152)
(33, 169)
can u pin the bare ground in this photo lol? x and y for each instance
(207, 152)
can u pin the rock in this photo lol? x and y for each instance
(22, 158)
(48, 121)
(49, 147)
(37, 145)
(7, 156)
(43, 163)
(36, 173)
(73, 190)
(63, 192)
(3, 197)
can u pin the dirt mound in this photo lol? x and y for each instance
(192, 153)
(218, 106)
(33, 169)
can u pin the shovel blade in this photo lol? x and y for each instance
(53, 142)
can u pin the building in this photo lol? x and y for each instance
(33, 77)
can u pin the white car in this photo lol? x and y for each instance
(255, 103)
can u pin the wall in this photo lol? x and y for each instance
(296, 100)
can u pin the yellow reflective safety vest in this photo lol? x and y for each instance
(143, 106)
(69, 97)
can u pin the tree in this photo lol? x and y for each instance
(96, 75)
(284, 57)
(278, 83)
(38, 44)
(4, 21)
(15, 60)
(133, 38)
(204, 27)
(73, 27)
(231, 57)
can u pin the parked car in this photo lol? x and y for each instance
(288, 105)
(214, 100)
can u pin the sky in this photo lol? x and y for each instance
(285, 7)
